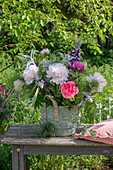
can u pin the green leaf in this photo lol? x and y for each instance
(28, 18)
(15, 50)
(43, 22)
(58, 10)
(17, 32)
(59, 1)
(23, 17)
(11, 26)
(35, 96)
(52, 44)
(11, 23)
(12, 122)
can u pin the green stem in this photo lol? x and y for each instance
(57, 89)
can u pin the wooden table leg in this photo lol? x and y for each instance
(18, 157)
(25, 162)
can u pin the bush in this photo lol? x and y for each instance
(5, 157)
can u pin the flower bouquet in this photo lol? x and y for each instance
(59, 85)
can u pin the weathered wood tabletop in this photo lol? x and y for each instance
(25, 140)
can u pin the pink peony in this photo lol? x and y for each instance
(45, 51)
(77, 65)
(68, 90)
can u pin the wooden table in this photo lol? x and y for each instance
(25, 141)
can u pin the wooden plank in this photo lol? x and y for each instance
(68, 150)
(30, 130)
(21, 157)
(26, 134)
(15, 162)
(22, 130)
(61, 141)
(18, 157)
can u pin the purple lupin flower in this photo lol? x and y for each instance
(75, 53)
(6, 93)
(12, 91)
(2, 85)
(42, 84)
(5, 117)
(11, 117)
(17, 95)
(2, 105)
(12, 106)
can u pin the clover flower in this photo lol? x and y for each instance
(58, 72)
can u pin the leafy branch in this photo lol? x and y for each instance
(8, 66)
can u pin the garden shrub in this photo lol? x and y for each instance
(54, 25)
(64, 162)
(5, 157)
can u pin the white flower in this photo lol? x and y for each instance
(17, 84)
(30, 73)
(110, 99)
(58, 72)
(45, 51)
(90, 78)
(98, 77)
(99, 105)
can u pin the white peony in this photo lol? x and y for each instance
(58, 72)
(30, 73)
(17, 84)
(98, 77)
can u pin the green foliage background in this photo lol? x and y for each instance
(54, 24)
